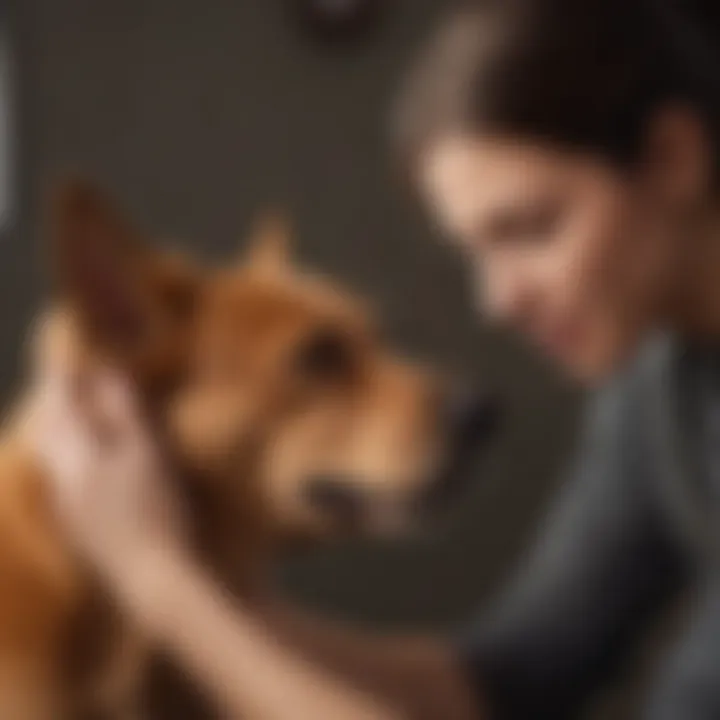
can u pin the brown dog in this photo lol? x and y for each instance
(280, 409)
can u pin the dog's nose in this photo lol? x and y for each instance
(338, 497)
(471, 414)
(472, 418)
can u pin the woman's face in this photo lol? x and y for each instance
(572, 253)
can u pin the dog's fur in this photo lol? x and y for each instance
(256, 378)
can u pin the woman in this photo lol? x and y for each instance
(572, 150)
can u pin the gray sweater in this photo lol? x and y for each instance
(634, 526)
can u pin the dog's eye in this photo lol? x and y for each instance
(327, 355)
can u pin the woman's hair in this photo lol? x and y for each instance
(583, 74)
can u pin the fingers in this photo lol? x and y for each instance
(70, 430)
(132, 443)
(99, 403)
(55, 407)
(61, 434)
(102, 467)
(113, 399)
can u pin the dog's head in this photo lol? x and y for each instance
(270, 386)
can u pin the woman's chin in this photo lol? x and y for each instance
(594, 366)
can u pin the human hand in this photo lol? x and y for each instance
(107, 479)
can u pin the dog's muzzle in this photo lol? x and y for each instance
(472, 419)
(468, 420)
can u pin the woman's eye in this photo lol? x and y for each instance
(531, 225)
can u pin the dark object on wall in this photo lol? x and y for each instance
(6, 139)
(336, 22)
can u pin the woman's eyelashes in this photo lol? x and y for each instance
(522, 225)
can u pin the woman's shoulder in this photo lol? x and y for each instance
(635, 394)
(650, 363)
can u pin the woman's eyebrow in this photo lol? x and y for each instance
(496, 222)
(502, 217)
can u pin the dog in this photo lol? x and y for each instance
(283, 413)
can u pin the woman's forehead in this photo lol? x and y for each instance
(468, 177)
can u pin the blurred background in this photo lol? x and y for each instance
(198, 115)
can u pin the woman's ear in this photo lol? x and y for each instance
(679, 158)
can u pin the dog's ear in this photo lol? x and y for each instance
(270, 243)
(97, 261)
(128, 298)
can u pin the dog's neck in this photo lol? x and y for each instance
(229, 541)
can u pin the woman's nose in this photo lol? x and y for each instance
(505, 296)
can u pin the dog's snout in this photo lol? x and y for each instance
(471, 417)
(471, 414)
(338, 497)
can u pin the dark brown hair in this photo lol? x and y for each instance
(583, 74)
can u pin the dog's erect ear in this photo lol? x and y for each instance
(270, 243)
(96, 258)
(124, 294)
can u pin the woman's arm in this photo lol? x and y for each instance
(247, 670)
(332, 670)
(422, 675)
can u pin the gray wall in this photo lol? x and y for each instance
(198, 114)
(6, 129)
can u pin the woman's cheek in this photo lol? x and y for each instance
(588, 292)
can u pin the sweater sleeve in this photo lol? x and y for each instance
(603, 563)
